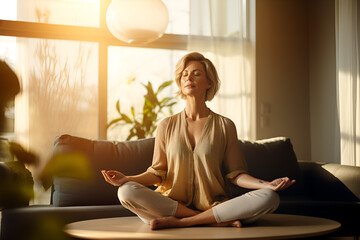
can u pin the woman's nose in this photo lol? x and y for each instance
(188, 77)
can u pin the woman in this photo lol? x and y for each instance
(192, 150)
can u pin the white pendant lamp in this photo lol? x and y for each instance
(137, 21)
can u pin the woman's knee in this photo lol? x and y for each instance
(127, 191)
(272, 199)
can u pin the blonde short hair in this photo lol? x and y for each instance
(210, 70)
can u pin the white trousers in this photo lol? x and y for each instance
(247, 208)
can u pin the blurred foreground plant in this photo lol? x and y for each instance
(145, 123)
(16, 185)
(66, 165)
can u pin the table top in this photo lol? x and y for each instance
(271, 226)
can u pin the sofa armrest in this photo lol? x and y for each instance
(331, 182)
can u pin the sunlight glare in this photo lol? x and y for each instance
(8, 9)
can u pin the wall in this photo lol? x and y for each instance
(282, 76)
(325, 145)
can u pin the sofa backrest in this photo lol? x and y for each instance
(266, 159)
(272, 158)
(131, 157)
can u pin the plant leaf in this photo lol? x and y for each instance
(148, 103)
(125, 118)
(151, 95)
(164, 100)
(22, 155)
(133, 112)
(114, 121)
(118, 106)
(131, 135)
(164, 85)
(170, 104)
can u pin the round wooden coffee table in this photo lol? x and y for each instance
(272, 226)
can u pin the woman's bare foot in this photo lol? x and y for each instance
(235, 223)
(173, 222)
(165, 222)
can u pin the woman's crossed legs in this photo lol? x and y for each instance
(163, 212)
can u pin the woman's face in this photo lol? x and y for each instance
(193, 80)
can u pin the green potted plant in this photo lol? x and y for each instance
(144, 124)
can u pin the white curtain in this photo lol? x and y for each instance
(347, 57)
(221, 30)
(58, 81)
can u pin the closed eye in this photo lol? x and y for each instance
(197, 73)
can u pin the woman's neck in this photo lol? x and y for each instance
(196, 110)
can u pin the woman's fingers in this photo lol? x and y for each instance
(111, 172)
(114, 177)
(281, 185)
(107, 178)
(285, 183)
(291, 183)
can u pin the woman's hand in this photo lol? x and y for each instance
(245, 180)
(114, 177)
(280, 184)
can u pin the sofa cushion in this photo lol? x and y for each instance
(132, 157)
(270, 159)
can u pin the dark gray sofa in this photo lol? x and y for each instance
(323, 190)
